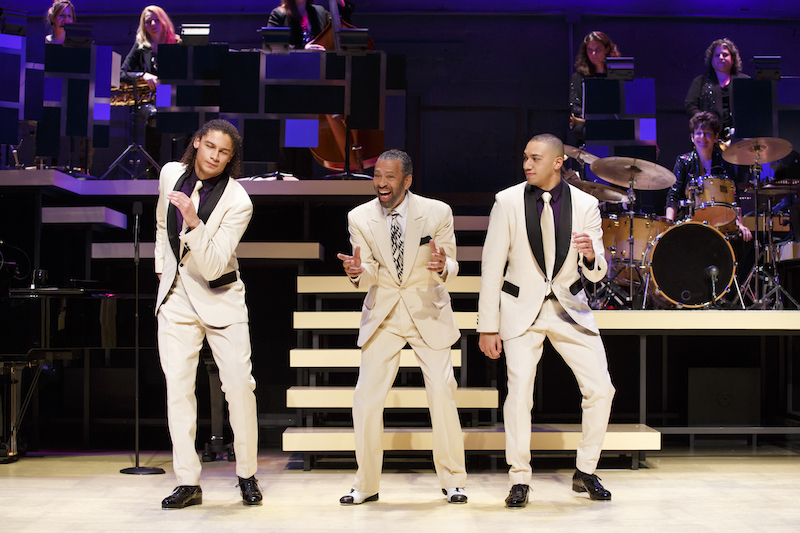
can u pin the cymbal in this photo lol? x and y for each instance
(764, 149)
(604, 193)
(633, 173)
(580, 155)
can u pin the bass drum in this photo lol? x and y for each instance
(679, 259)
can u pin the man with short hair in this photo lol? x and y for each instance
(201, 215)
(404, 251)
(542, 234)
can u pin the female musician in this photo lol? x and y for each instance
(155, 28)
(590, 62)
(61, 13)
(711, 91)
(704, 160)
(305, 19)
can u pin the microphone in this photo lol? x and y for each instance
(712, 272)
(137, 208)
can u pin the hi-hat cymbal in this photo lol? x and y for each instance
(580, 155)
(604, 193)
(634, 173)
(757, 149)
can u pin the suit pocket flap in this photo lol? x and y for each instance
(576, 287)
(425, 240)
(224, 279)
(511, 289)
(369, 300)
(442, 297)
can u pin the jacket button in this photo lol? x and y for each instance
(181, 264)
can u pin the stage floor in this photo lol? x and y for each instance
(722, 487)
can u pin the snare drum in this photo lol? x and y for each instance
(617, 235)
(714, 200)
(679, 260)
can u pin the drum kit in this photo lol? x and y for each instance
(655, 262)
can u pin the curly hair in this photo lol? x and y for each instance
(168, 29)
(582, 63)
(705, 120)
(399, 155)
(234, 166)
(727, 44)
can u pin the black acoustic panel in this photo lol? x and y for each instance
(208, 60)
(646, 152)
(365, 93)
(752, 108)
(601, 97)
(100, 136)
(262, 140)
(62, 59)
(34, 94)
(239, 83)
(311, 99)
(9, 125)
(335, 66)
(396, 72)
(197, 95)
(9, 73)
(610, 130)
(178, 122)
(173, 62)
(77, 107)
(48, 133)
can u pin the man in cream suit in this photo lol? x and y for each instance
(546, 232)
(201, 215)
(404, 251)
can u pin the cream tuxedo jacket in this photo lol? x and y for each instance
(208, 266)
(509, 304)
(421, 290)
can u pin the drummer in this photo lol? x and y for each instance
(704, 160)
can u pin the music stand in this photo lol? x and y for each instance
(275, 40)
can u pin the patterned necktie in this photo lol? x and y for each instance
(548, 238)
(397, 245)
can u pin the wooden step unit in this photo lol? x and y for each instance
(340, 284)
(544, 437)
(350, 358)
(246, 250)
(398, 398)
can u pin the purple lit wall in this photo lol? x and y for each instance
(484, 76)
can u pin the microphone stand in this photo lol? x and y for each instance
(713, 272)
(137, 211)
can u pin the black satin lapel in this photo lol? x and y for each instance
(534, 230)
(172, 218)
(211, 202)
(564, 232)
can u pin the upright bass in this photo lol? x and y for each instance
(337, 142)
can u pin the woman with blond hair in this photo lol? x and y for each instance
(155, 28)
(61, 13)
